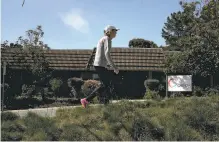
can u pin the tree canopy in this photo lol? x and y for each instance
(141, 43)
(196, 34)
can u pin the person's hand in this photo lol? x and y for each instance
(116, 71)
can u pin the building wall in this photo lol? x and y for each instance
(16, 78)
(132, 84)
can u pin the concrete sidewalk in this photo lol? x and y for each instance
(51, 112)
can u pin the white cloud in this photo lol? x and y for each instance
(75, 20)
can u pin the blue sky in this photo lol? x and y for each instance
(78, 24)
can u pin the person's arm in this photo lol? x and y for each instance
(107, 47)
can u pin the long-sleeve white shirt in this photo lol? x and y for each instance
(102, 56)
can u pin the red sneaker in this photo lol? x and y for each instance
(84, 102)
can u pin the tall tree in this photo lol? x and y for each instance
(30, 53)
(198, 40)
(179, 26)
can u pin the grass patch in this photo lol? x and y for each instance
(176, 119)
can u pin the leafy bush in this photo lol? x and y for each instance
(27, 90)
(212, 91)
(202, 115)
(152, 84)
(12, 126)
(152, 94)
(55, 84)
(6, 116)
(89, 86)
(11, 129)
(198, 91)
(11, 136)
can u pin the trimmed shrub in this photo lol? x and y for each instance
(28, 90)
(76, 82)
(55, 84)
(152, 84)
(89, 86)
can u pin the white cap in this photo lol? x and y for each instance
(110, 28)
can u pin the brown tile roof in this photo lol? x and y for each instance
(58, 59)
(137, 59)
(132, 59)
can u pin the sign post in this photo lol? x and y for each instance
(3, 89)
(166, 87)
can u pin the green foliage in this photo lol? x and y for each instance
(198, 91)
(74, 132)
(8, 116)
(153, 89)
(142, 43)
(12, 131)
(6, 45)
(55, 84)
(152, 95)
(197, 36)
(145, 130)
(204, 118)
(45, 128)
(28, 90)
(176, 119)
(10, 128)
(212, 91)
(32, 53)
(29, 51)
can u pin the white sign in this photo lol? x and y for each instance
(179, 83)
